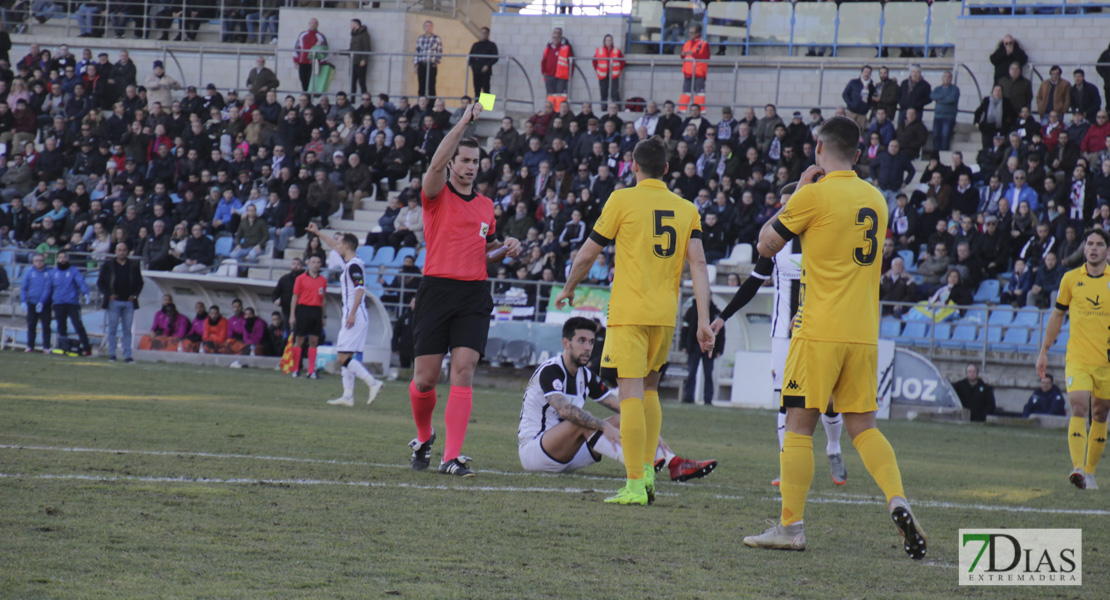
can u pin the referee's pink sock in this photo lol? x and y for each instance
(456, 417)
(297, 358)
(311, 360)
(423, 403)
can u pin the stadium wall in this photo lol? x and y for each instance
(1069, 41)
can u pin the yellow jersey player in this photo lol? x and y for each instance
(1085, 296)
(834, 349)
(655, 233)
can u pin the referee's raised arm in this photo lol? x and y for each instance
(436, 176)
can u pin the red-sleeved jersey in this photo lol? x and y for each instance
(310, 290)
(456, 230)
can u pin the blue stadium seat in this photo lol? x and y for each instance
(1000, 317)
(494, 347)
(375, 288)
(976, 313)
(420, 258)
(399, 259)
(366, 253)
(963, 336)
(993, 333)
(1016, 338)
(988, 291)
(917, 333)
(909, 258)
(223, 247)
(890, 328)
(382, 257)
(1027, 318)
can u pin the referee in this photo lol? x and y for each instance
(308, 315)
(453, 303)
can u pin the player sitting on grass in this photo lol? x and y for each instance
(356, 321)
(1088, 374)
(557, 435)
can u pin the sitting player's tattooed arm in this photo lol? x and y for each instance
(569, 412)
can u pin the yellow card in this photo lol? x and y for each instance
(486, 100)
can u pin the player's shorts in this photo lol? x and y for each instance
(817, 370)
(310, 321)
(451, 314)
(1087, 378)
(534, 458)
(636, 350)
(353, 339)
(779, 348)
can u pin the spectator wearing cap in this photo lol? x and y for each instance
(212, 99)
(857, 97)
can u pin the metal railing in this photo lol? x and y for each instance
(591, 8)
(1032, 8)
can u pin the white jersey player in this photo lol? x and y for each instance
(355, 321)
(557, 435)
(785, 272)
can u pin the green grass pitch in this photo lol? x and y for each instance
(218, 483)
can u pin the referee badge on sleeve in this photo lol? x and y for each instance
(485, 230)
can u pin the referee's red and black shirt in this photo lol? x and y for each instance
(456, 230)
(310, 290)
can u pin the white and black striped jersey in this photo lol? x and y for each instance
(353, 280)
(787, 279)
(551, 377)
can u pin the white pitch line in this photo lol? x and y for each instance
(242, 481)
(322, 461)
(958, 506)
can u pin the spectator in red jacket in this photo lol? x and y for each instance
(608, 65)
(215, 329)
(1095, 140)
(304, 58)
(555, 67)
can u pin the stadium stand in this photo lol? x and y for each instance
(220, 152)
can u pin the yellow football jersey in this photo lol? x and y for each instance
(841, 221)
(1087, 300)
(651, 227)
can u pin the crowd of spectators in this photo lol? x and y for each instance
(210, 332)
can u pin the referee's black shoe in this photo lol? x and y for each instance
(457, 467)
(421, 453)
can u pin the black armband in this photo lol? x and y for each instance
(1062, 307)
(695, 234)
(748, 289)
(781, 229)
(600, 239)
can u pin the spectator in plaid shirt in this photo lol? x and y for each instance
(429, 51)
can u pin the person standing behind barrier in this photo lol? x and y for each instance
(120, 283)
(695, 67)
(857, 97)
(914, 93)
(304, 58)
(946, 97)
(1008, 52)
(429, 51)
(67, 288)
(608, 64)
(35, 293)
(360, 62)
(483, 55)
(555, 67)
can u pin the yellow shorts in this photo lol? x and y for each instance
(1087, 378)
(636, 350)
(816, 371)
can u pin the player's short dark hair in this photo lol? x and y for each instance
(351, 241)
(651, 155)
(577, 323)
(840, 135)
(789, 188)
(1102, 233)
(467, 143)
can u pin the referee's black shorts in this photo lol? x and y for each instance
(310, 321)
(449, 314)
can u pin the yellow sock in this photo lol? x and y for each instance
(879, 459)
(632, 436)
(1077, 440)
(653, 424)
(796, 475)
(1095, 445)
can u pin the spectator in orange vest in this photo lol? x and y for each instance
(695, 66)
(555, 67)
(608, 64)
(215, 328)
